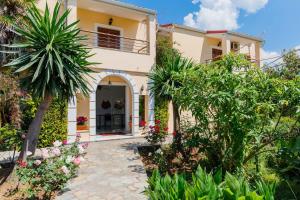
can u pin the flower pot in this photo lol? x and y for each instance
(82, 127)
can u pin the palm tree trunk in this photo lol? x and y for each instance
(176, 117)
(34, 129)
(177, 134)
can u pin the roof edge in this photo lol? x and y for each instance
(246, 36)
(182, 27)
(129, 6)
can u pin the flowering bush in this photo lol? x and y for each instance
(53, 170)
(81, 120)
(156, 134)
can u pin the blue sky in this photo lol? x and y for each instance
(276, 21)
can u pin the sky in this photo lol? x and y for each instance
(276, 21)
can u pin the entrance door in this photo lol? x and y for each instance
(110, 109)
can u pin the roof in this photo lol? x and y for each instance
(212, 31)
(182, 27)
(130, 6)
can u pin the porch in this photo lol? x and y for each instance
(118, 107)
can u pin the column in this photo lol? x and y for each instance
(135, 113)
(226, 46)
(92, 116)
(72, 5)
(72, 121)
(151, 104)
(127, 107)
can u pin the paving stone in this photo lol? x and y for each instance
(112, 171)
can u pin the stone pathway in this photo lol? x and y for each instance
(112, 170)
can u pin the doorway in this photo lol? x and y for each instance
(110, 110)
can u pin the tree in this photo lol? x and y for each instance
(291, 64)
(239, 111)
(53, 63)
(164, 82)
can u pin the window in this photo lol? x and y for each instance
(216, 54)
(109, 38)
(234, 46)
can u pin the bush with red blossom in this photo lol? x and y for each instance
(156, 134)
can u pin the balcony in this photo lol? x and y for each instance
(115, 42)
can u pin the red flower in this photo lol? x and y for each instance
(142, 123)
(166, 129)
(81, 120)
(174, 133)
(156, 128)
(157, 121)
(22, 164)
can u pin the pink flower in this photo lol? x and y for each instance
(45, 154)
(85, 145)
(65, 142)
(77, 161)
(56, 151)
(78, 135)
(37, 162)
(65, 170)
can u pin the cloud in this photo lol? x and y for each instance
(269, 57)
(221, 14)
(273, 58)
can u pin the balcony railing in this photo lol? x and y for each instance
(115, 42)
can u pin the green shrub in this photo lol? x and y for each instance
(239, 111)
(54, 126)
(161, 112)
(10, 138)
(206, 186)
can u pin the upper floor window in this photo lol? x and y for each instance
(234, 46)
(109, 38)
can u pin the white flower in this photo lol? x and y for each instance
(56, 152)
(57, 143)
(158, 151)
(37, 162)
(45, 154)
(65, 170)
(80, 149)
(69, 159)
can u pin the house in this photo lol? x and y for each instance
(206, 46)
(122, 37)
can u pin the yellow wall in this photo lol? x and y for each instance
(131, 28)
(189, 43)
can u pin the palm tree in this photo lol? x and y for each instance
(53, 63)
(164, 82)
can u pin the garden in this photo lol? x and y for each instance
(41, 69)
(240, 138)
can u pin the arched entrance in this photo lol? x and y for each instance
(87, 106)
(134, 95)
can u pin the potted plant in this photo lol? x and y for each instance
(81, 123)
